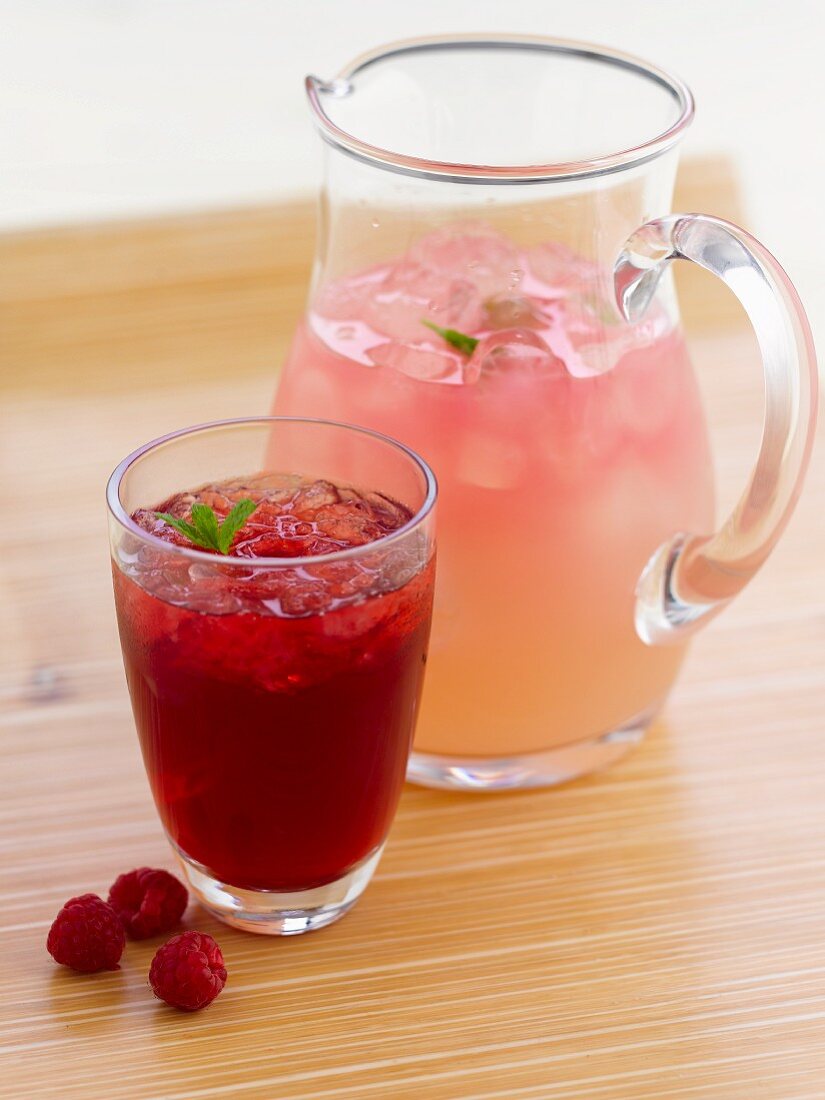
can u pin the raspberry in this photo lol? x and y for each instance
(148, 901)
(87, 935)
(188, 971)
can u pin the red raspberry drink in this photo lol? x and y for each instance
(275, 688)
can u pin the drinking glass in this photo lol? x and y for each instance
(275, 698)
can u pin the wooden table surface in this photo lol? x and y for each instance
(655, 931)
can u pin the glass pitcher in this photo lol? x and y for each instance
(492, 287)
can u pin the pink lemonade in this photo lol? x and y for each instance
(568, 446)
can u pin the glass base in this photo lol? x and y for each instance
(537, 769)
(271, 912)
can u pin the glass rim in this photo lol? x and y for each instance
(118, 512)
(630, 157)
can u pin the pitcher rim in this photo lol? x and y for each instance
(515, 173)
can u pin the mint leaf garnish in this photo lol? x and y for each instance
(206, 524)
(180, 525)
(460, 340)
(204, 530)
(234, 522)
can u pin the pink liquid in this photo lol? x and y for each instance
(567, 448)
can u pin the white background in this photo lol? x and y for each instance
(115, 108)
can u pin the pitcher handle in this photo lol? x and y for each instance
(691, 577)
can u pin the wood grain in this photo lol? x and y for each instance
(652, 932)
